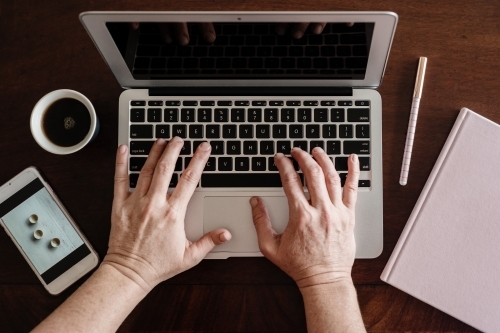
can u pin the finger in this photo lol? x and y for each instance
(290, 179)
(191, 176)
(181, 33)
(134, 25)
(165, 32)
(165, 168)
(298, 30)
(148, 169)
(315, 179)
(281, 28)
(317, 28)
(207, 31)
(121, 175)
(265, 232)
(351, 183)
(332, 178)
(199, 249)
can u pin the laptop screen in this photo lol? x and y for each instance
(177, 51)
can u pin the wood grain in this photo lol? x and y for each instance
(44, 47)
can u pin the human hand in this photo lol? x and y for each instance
(148, 242)
(179, 33)
(297, 30)
(317, 246)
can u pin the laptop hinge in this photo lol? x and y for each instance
(250, 91)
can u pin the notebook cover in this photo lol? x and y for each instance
(448, 254)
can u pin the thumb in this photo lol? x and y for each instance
(199, 249)
(265, 232)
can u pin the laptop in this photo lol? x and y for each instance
(252, 84)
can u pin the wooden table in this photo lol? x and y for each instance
(44, 47)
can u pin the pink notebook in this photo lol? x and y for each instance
(449, 252)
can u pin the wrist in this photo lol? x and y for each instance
(320, 274)
(338, 286)
(125, 273)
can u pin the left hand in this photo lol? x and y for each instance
(148, 242)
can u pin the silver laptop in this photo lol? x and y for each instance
(252, 84)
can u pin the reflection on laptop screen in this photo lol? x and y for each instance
(153, 51)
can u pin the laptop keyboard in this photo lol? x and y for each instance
(246, 133)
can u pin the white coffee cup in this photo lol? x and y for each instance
(41, 107)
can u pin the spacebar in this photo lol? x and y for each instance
(271, 179)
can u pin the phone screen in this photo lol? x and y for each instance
(50, 262)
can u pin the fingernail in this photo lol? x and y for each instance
(160, 142)
(209, 37)
(298, 34)
(225, 236)
(205, 146)
(319, 150)
(183, 40)
(296, 149)
(122, 149)
(175, 139)
(354, 158)
(317, 29)
(254, 202)
(280, 155)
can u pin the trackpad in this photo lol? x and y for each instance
(235, 214)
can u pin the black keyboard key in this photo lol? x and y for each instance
(312, 131)
(186, 149)
(363, 131)
(295, 164)
(141, 131)
(272, 165)
(196, 131)
(207, 103)
(270, 115)
(171, 115)
(136, 163)
(137, 103)
(254, 115)
(358, 115)
(137, 115)
(237, 115)
(345, 103)
(190, 103)
(211, 164)
(155, 103)
(333, 147)
(140, 147)
(302, 144)
(133, 177)
(246, 131)
(310, 103)
(180, 131)
(213, 132)
(154, 115)
(357, 147)
(221, 115)
(187, 160)
(217, 147)
(250, 148)
(242, 179)
(204, 115)
(187, 115)
(313, 144)
(178, 164)
(364, 183)
(262, 131)
(296, 131)
(345, 131)
(172, 103)
(304, 115)
(362, 103)
(258, 164)
(242, 103)
(292, 103)
(329, 131)
(267, 148)
(225, 163)
(163, 131)
(279, 131)
(337, 115)
(259, 103)
(229, 131)
(233, 147)
(242, 164)
(283, 147)
(320, 115)
(287, 115)
(174, 180)
(341, 163)
(276, 103)
(327, 103)
(364, 163)
(224, 103)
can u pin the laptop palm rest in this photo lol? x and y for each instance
(235, 214)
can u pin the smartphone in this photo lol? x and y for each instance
(44, 232)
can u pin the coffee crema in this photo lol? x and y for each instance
(66, 122)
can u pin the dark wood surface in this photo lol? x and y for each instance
(44, 47)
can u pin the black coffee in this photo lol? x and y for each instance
(66, 122)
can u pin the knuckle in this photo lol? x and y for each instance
(290, 178)
(165, 167)
(315, 170)
(351, 187)
(333, 179)
(147, 170)
(259, 217)
(190, 176)
(121, 179)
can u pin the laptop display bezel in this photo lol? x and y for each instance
(384, 29)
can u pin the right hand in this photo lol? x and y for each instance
(317, 246)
